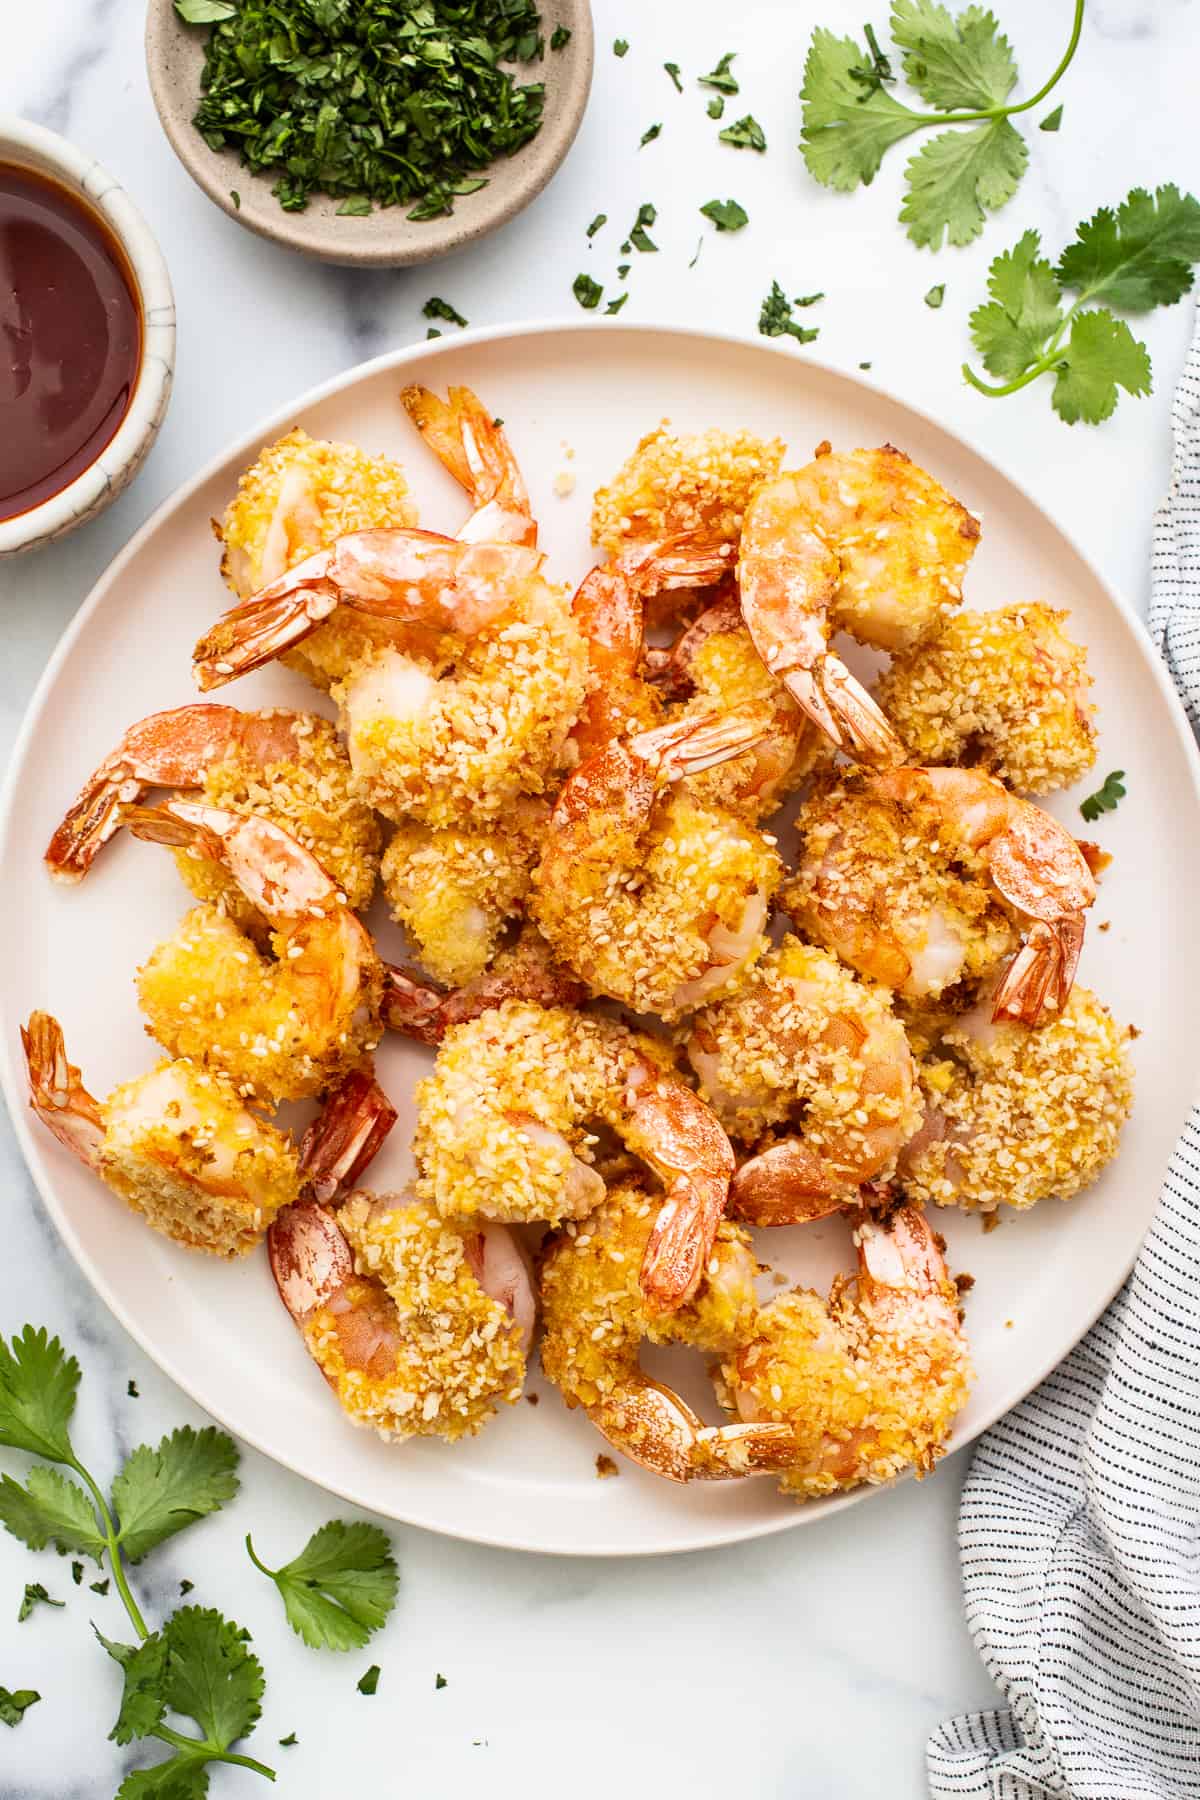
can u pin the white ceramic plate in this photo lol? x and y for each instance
(529, 1481)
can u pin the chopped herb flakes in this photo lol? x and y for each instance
(599, 220)
(440, 1681)
(696, 257)
(716, 106)
(381, 100)
(726, 215)
(745, 134)
(775, 318)
(435, 308)
(132, 1390)
(13, 1707)
(648, 136)
(35, 1595)
(587, 291)
(614, 306)
(623, 270)
(369, 1682)
(1107, 798)
(879, 72)
(289, 1742)
(620, 46)
(720, 77)
(638, 236)
(560, 37)
(1052, 120)
(936, 295)
(673, 71)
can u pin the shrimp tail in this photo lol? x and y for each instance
(310, 1259)
(417, 1009)
(652, 1426)
(836, 702)
(56, 1091)
(689, 746)
(1038, 980)
(470, 444)
(264, 627)
(788, 1183)
(346, 1135)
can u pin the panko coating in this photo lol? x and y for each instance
(457, 890)
(297, 497)
(1004, 691)
(1016, 1115)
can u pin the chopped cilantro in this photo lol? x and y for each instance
(936, 295)
(132, 1390)
(721, 77)
(1107, 798)
(440, 1681)
(599, 220)
(1052, 120)
(716, 106)
(289, 1742)
(614, 306)
(648, 136)
(35, 1595)
(638, 236)
(744, 134)
(436, 308)
(775, 318)
(726, 215)
(620, 46)
(587, 291)
(673, 71)
(560, 37)
(369, 1682)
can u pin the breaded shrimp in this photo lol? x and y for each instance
(177, 1144)
(457, 890)
(697, 485)
(650, 898)
(298, 497)
(420, 1326)
(596, 1321)
(813, 1061)
(1004, 691)
(469, 442)
(523, 970)
(286, 766)
(280, 1027)
(869, 1381)
(505, 1130)
(863, 541)
(1015, 1115)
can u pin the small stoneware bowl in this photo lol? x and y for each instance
(386, 238)
(33, 147)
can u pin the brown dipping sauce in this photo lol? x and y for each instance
(70, 338)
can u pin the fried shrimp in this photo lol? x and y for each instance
(458, 890)
(280, 1026)
(695, 486)
(595, 1322)
(506, 1130)
(298, 497)
(869, 1381)
(1015, 1115)
(863, 541)
(648, 897)
(177, 1144)
(421, 1327)
(469, 442)
(1004, 691)
(286, 766)
(923, 878)
(813, 1061)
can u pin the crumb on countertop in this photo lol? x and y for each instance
(605, 1466)
(564, 483)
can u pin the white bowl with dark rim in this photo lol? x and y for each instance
(45, 153)
(386, 237)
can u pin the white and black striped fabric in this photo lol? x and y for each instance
(1080, 1525)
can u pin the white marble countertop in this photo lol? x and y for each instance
(811, 1664)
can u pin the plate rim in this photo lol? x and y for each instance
(715, 1537)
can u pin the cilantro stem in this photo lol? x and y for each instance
(1007, 112)
(203, 1750)
(1048, 360)
(114, 1553)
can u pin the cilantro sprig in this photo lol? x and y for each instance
(963, 67)
(341, 1588)
(1107, 798)
(1134, 258)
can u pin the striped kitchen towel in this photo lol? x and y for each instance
(1080, 1525)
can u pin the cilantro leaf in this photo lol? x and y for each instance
(1101, 356)
(1141, 255)
(721, 77)
(726, 215)
(37, 1394)
(1011, 331)
(436, 308)
(775, 318)
(50, 1509)
(962, 62)
(956, 176)
(846, 132)
(355, 206)
(744, 134)
(341, 1587)
(204, 12)
(211, 1677)
(143, 1702)
(160, 1492)
(14, 1706)
(639, 237)
(35, 1595)
(1107, 797)
(586, 291)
